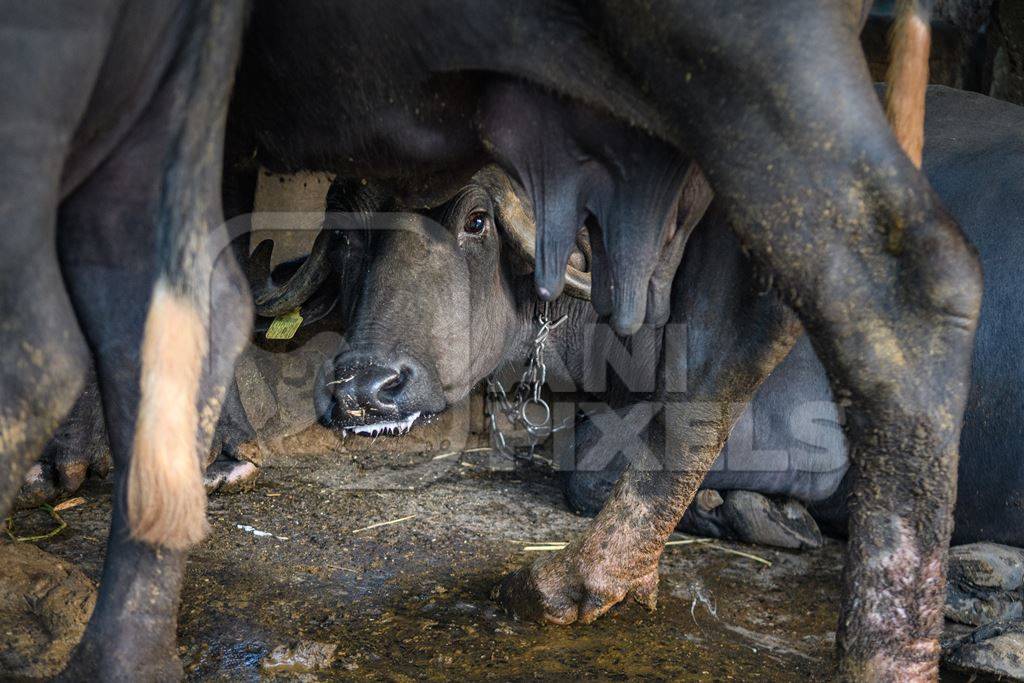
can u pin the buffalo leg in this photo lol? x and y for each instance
(894, 331)
(235, 458)
(801, 156)
(44, 358)
(124, 286)
(737, 334)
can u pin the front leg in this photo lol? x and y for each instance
(736, 333)
(615, 558)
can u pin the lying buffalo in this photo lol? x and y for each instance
(774, 102)
(978, 170)
(402, 363)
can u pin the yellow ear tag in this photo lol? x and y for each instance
(285, 326)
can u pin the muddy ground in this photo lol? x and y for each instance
(318, 600)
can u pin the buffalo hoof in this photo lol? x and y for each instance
(561, 589)
(225, 475)
(40, 487)
(996, 650)
(77, 450)
(45, 603)
(745, 516)
(59, 474)
(986, 583)
(753, 518)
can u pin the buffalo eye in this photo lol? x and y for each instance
(476, 222)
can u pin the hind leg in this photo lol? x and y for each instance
(132, 632)
(164, 333)
(132, 628)
(802, 158)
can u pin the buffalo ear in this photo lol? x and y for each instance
(514, 215)
(694, 199)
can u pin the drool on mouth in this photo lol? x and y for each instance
(389, 428)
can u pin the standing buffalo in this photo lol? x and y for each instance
(114, 109)
(111, 127)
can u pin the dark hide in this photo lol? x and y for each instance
(774, 102)
(789, 441)
(978, 171)
(112, 122)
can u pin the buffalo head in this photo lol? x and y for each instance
(446, 298)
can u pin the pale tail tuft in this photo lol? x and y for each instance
(165, 495)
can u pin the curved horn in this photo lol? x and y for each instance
(517, 220)
(272, 300)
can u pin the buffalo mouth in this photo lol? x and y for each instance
(396, 427)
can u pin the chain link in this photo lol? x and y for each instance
(526, 407)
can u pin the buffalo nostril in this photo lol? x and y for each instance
(372, 388)
(391, 383)
(388, 388)
(367, 387)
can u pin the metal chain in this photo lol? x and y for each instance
(526, 395)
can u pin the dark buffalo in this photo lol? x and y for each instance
(111, 127)
(978, 170)
(774, 102)
(403, 363)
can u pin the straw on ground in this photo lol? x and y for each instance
(379, 524)
(449, 454)
(554, 546)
